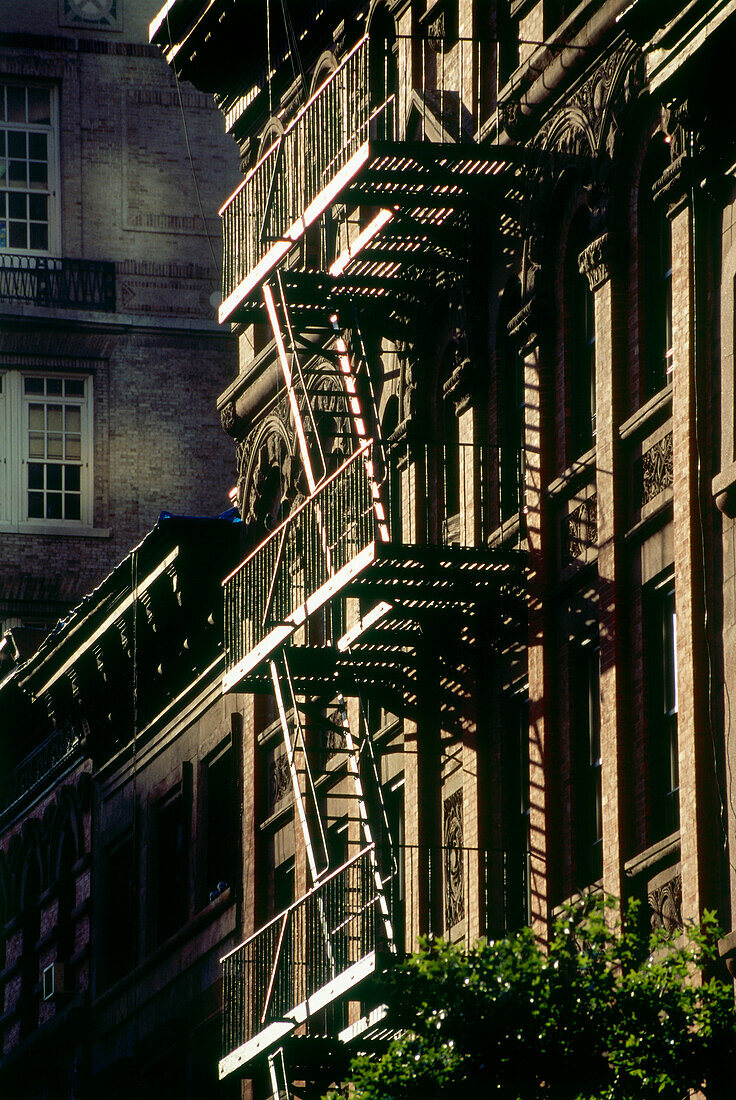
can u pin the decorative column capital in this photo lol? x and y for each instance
(597, 261)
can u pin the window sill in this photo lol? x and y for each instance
(65, 530)
(641, 421)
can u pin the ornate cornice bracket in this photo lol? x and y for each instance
(597, 261)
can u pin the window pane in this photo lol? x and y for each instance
(35, 475)
(54, 386)
(39, 106)
(16, 104)
(35, 446)
(17, 205)
(2, 143)
(17, 145)
(54, 414)
(17, 237)
(39, 236)
(53, 477)
(71, 507)
(38, 176)
(33, 385)
(54, 446)
(74, 387)
(38, 207)
(35, 417)
(37, 146)
(53, 506)
(73, 417)
(35, 505)
(2, 101)
(71, 479)
(73, 447)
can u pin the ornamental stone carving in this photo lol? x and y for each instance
(279, 779)
(580, 530)
(596, 261)
(657, 470)
(665, 903)
(454, 859)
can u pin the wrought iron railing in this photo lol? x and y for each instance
(361, 100)
(62, 283)
(37, 767)
(301, 951)
(276, 192)
(321, 537)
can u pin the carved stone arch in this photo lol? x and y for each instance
(571, 132)
(67, 820)
(268, 475)
(328, 408)
(326, 64)
(272, 131)
(32, 852)
(619, 83)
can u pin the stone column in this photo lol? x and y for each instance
(596, 263)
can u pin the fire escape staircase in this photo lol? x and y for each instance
(334, 550)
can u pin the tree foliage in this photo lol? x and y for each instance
(604, 1013)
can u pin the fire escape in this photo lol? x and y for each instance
(334, 605)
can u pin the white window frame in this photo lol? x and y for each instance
(14, 456)
(52, 131)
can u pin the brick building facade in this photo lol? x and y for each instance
(107, 312)
(476, 652)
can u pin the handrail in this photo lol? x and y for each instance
(305, 503)
(300, 901)
(328, 79)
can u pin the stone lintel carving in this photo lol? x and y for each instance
(596, 261)
(580, 530)
(657, 470)
(665, 903)
(280, 778)
(672, 186)
(228, 418)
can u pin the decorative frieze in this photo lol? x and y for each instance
(656, 470)
(580, 530)
(279, 779)
(665, 903)
(454, 859)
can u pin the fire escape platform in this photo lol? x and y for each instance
(424, 192)
(409, 594)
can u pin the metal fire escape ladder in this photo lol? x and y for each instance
(277, 1074)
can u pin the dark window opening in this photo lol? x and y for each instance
(656, 273)
(120, 911)
(283, 885)
(29, 972)
(171, 867)
(586, 738)
(661, 672)
(581, 351)
(67, 899)
(556, 12)
(222, 824)
(518, 847)
(508, 43)
(510, 409)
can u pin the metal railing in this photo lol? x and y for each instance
(337, 924)
(458, 892)
(39, 764)
(361, 100)
(63, 283)
(324, 534)
(319, 142)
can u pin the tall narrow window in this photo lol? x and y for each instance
(29, 974)
(581, 344)
(661, 669)
(508, 41)
(120, 911)
(655, 259)
(518, 847)
(171, 867)
(27, 156)
(222, 822)
(510, 407)
(586, 730)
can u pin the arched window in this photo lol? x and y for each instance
(655, 273)
(580, 345)
(66, 898)
(510, 416)
(31, 926)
